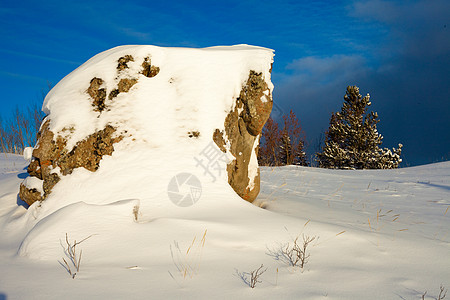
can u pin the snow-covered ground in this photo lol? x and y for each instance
(380, 234)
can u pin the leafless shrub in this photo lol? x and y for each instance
(442, 293)
(74, 258)
(297, 254)
(254, 276)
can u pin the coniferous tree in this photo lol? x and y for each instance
(286, 154)
(352, 140)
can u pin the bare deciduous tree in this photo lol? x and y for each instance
(269, 152)
(293, 141)
(20, 130)
(282, 147)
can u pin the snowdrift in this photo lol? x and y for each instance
(380, 234)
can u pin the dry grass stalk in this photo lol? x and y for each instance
(188, 263)
(74, 259)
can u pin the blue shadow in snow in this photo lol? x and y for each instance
(22, 176)
(20, 202)
(444, 187)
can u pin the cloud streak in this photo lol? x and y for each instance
(406, 74)
(398, 51)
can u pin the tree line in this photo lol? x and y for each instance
(20, 130)
(279, 147)
(351, 141)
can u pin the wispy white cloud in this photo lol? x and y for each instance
(21, 76)
(40, 57)
(417, 28)
(135, 33)
(328, 69)
(405, 70)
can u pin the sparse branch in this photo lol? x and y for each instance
(303, 255)
(254, 276)
(68, 269)
(71, 253)
(297, 254)
(442, 292)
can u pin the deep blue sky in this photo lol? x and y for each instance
(398, 51)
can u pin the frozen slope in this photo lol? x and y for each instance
(380, 235)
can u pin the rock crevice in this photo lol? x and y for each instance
(51, 160)
(243, 127)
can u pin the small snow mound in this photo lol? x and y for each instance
(46, 240)
(28, 153)
(34, 183)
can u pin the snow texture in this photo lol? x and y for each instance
(381, 234)
(194, 91)
(28, 153)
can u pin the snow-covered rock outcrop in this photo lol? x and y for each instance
(127, 121)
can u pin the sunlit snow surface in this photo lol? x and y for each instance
(382, 234)
(194, 91)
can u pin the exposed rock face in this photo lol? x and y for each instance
(97, 94)
(30, 195)
(123, 62)
(169, 120)
(51, 159)
(243, 127)
(148, 69)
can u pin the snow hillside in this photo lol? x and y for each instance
(380, 234)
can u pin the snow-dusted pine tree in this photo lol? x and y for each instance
(286, 154)
(352, 140)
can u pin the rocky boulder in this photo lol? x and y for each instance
(160, 102)
(243, 126)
